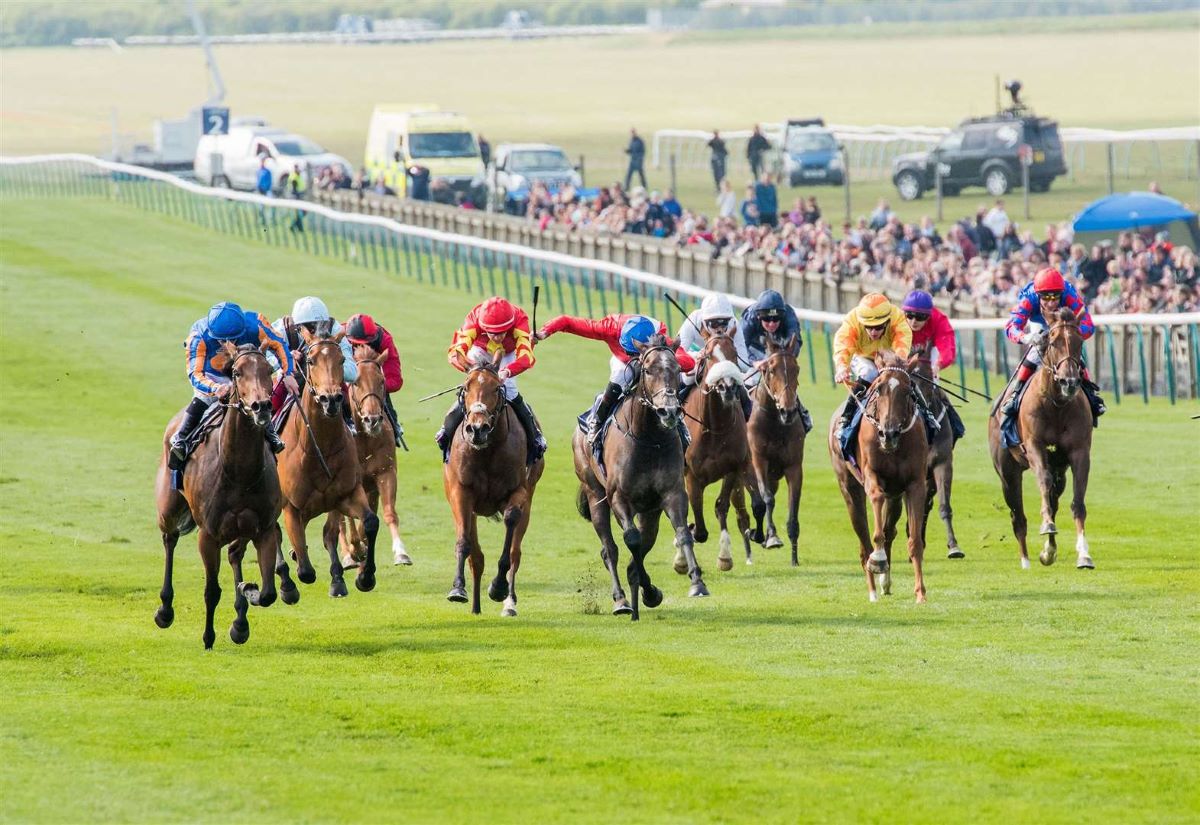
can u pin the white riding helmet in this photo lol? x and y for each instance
(309, 310)
(715, 306)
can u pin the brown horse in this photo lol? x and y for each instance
(941, 450)
(642, 477)
(1055, 425)
(376, 453)
(319, 470)
(230, 494)
(776, 433)
(893, 457)
(720, 448)
(487, 475)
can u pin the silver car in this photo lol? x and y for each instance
(515, 167)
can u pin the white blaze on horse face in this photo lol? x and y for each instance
(893, 383)
(478, 407)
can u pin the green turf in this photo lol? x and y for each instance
(1048, 694)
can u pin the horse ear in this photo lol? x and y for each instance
(880, 361)
(914, 361)
(1067, 315)
(305, 334)
(772, 347)
(337, 339)
(382, 358)
(640, 346)
(497, 358)
(790, 346)
(230, 349)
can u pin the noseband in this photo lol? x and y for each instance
(236, 397)
(762, 382)
(303, 365)
(913, 394)
(1068, 359)
(643, 397)
(358, 400)
(493, 413)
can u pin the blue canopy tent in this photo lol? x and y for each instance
(1133, 210)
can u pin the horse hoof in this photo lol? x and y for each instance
(250, 591)
(749, 560)
(1085, 563)
(1047, 556)
(337, 589)
(239, 632)
(289, 595)
(773, 542)
(457, 595)
(724, 564)
(920, 598)
(307, 575)
(955, 553)
(651, 596)
(621, 608)
(164, 616)
(498, 590)
(508, 611)
(680, 563)
(365, 582)
(1024, 562)
(756, 536)
(402, 558)
(1048, 529)
(876, 566)
(698, 590)
(873, 596)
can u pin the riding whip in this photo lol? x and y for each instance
(982, 395)
(436, 394)
(943, 389)
(316, 446)
(683, 311)
(537, 290)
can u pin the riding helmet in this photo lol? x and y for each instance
(637, 329)
(918, 301)
(1049, 280)
(362, 329)
(226, 321)
(874, 309)
(497, 315)
(309, 310)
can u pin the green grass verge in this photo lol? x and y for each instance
(1049, 694)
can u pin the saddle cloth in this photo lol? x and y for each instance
(209, 422)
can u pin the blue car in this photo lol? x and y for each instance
(811, 154)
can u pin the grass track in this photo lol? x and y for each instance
(1050, 694)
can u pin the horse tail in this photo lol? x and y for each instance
(581, 504)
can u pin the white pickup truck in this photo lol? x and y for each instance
(232, 160)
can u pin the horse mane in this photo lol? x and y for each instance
(1067, 316)
(891, 359)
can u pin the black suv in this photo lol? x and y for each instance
(984, 152)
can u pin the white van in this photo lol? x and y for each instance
(403, 136)
(232, 160)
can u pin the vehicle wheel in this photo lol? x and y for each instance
(1039, 186)
(908, 185)
(996, 181)
(221, 182)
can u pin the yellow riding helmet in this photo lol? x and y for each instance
(873, 310)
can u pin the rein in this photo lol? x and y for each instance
(913, 392)
(645, 398)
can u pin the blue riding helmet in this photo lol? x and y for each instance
(636, 330)
(226, 321)
(918, 301)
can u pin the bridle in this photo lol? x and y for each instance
(1068, 359)
(762, 382)
(873, 397)
(358, 400)
(493, 413)
(303, 365)
(642, 396)
(235, 397)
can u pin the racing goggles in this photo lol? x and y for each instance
(916, 316)
(717, 324)
(770, 317)
(1050, 296)
(876, 327)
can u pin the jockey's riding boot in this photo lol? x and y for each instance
(1024, 373)
(860, 387)
(191, 417)
(684, 391)
(348, 416)
(454, 420)
(805, 416)
(684, 435)
(1092, 391)
(956, 422)
(535, 440)
(273, 440)
(390, 411)
(604, 408)
(744, 397)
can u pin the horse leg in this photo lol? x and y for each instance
(856, 506)
(510, 604)
(498, 589)
(288, 592)
(943, 477)
(329, 534)
(915, 504)
(724, 557)
(795, 484)
(165, 615)
(623, 512)
(266, 545)
(758, 506)
(464, 521)
(648, 524)
(239, 631)
(1010, 486)
(878, 562)
(476, 559)
(695, 492)
(743, 517)
(1044, 474)
(294, 524)
(771, 540)
(676, 507)
(356, 506)
(1081, 464)
(210, 555)
(386, 496)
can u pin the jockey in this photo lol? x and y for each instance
(311, 314)
(1041, 299)
(361, 330)
(715, 316)
(931, 329)
(622, 333)
(491, 327)
(871, 327)
(207, 363)
(771, 316)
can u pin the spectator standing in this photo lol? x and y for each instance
(295, 189)
(264, 183)
(767, 201)
(997, 220)
(749, 208)
(672, 205)
(756, 147)
(418, 182)
(726, 200)
(637, 158)
(880, 215)
(986, 238)
(485, 150)
(719, 154)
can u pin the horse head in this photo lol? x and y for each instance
(781, 377)
(251, 376)
(1063, 353)
(718, 369)
(658, 380)
(891, 402)
(367, 394)
(324, 370)
(484, 400)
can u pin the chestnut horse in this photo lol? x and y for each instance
(642, 477)
(319, 470)
(230, 494)
(1055, 425)
(941, 450)
(487, 475)
(893, 461)
(376, 452)
(776, 432)
(720, 448)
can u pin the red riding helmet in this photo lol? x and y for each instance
(1049, 280)
(361, 329)
(497, 315)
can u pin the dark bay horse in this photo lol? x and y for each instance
(319, 470)
(941, 450)
(230, 495)
(1055, 425)
(642, 477)
(776, 433)
(487, 475)
(376, 453)
(720, 448)
(893, 467)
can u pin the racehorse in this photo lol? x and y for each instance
(776, 433)
(487, 475)
(720, 449)
(319, 470)
(376, 453)
(892, 470)
(941, 449)
(641, 477)
(1055, 426)
(230, 495)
